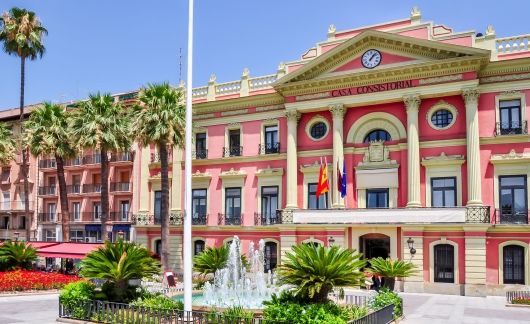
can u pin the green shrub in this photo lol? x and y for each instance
(74, 298)
(17, 255)
(237, 314)
(353, 312)
(521, 301)
(158, 302)
(386, 297)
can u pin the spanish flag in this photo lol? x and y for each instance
(323, 185)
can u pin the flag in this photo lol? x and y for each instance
(323, 185)
(343, 180)
(339, 179)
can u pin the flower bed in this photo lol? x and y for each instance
(521, 301)
(21, 280)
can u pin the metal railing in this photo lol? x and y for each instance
(120, 216)
(224, 219)
(48, 217)
(199, 219)
(92, 187)
(511, 295)
(122, 157)
(509, 216)
(232, 151)
(7, 205)
(73, 189)
(383, 315)
(120, 186)
(511, 128)
(92, 159)
(267, 219)
(74, 162)
(47, 163)
(47, 190)
(269, 148)
(175, 219)
(200, 154)
(479, 214)
(155, 157)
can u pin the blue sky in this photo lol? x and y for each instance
(120, 45)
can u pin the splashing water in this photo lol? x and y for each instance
(235, 286)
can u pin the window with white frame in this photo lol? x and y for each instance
(50, 235)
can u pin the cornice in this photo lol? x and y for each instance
(237, 103)
(231, 174)
(510, 158)
(240, 159)
(270, 172)
(443, 160)
(506, 67)
(505, 139)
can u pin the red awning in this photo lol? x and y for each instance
(40, 245)
(67, 250)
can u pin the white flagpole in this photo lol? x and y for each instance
(188, 271)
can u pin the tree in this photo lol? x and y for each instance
(17, 255)
(21, 33)
(117, 263)
(159, 118)
(7, 145)
(214, 258)
(47, 133)
(101, 124)
(315, 270)
(391, 269)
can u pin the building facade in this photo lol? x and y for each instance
(429, 126)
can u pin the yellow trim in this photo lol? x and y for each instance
(376, 120)
(439, 106)
(237, 103)
(313, 121)
(455, 259)
(501, 259)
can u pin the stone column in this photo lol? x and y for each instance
(337, 111)
(176, 181)
(412, 104)
(292, 171)
(474, 190)
(143, 193)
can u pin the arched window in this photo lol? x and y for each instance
(198, 247)
(377, 135)
(513, 264)
(271, 256)
(444, 263)
(312, 243)
(158, 247)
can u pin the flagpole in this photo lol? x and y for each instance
(187, 169)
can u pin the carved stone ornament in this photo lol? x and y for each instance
(490, 31)
(332, 29)
(442, 159)
(412, 102)
(337, 110)
(511, 157)
(470, 95)
(415, 12)
(232, 173)
(292, 115)
(376, 152)
(246, 73)
(213, 77)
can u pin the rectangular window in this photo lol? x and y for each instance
(77, 236)
(232, 206)
(4, 177)
(124, 210)
(158, 206)
(510, 117)
(5, 222)
(21, 222)
(272, 144)
(96, 211)
(49, 235)
(512, 199)
(234, 142)
(200, 146)
(6, 200)
(93, 236)
(76, 183)
(377, 198)
(444, 267)
(52, 208)
(198, 203)
(269, 204)
(312, 201)
(76, 211)
(443, 192)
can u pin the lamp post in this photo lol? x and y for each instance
(410, 243)
(16, 235)
(331, 241)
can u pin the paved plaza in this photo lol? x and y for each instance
(34, 309)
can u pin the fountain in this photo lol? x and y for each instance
(235, 285)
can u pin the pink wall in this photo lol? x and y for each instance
(387, 58)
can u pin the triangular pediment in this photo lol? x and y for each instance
(396, 52)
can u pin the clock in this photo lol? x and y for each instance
(371, 58)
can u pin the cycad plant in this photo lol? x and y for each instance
(159, 119)
(391, 269)
(117, 263)
(21, 33)
(214, 258)
(17, 255)
(101, 124)
(315, 270)
(47, 133)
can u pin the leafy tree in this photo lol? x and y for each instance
(47, 133)
(7, 145)
(159, 118)
(315, 270)
(17, 255)
(391, 269)
(101, 124)
(21, 33)
(117, 263)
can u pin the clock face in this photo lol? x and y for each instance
(371, 58)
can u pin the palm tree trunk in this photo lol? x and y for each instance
(104, 194)
(164, 208)
(63, 197)
(24, 153)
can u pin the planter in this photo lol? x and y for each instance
(389, 282)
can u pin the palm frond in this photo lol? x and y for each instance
(392, 268)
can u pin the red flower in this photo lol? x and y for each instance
(19, 280)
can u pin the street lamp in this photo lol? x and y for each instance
(410, 243)
(331, 240)
(16, 235)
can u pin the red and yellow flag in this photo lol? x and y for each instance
(323, 185)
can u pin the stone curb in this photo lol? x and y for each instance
(36, 293)
(518, 305)
(72, 321)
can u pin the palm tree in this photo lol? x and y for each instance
(7, 145)
(21, 33)
(47, 133)
(101, 124)
(159, 119)
(16, 255)
(391, 269)
(214, 258)
(315, 270)
(117, 263)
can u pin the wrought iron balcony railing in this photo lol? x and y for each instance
(74, 162)
(73, 189)
(92, 159)
(90, 188)
(269, 148)
(199, 219)
(267, 219)
(90, 216)
(479, 214)
(15, 205)
(226, 219)
(232, 151)
(120, 216)
(47, 163)
(48, 217)
(511, 128)
(510, 216)
(122, 157)
(47, 191)
(200, 154)
(120, 186)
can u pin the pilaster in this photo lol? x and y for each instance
(144, 180)
(474, 189)
(292, 172)
(337, 111)
(412, 104)
(176, 180)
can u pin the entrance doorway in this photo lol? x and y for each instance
(374, 246)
